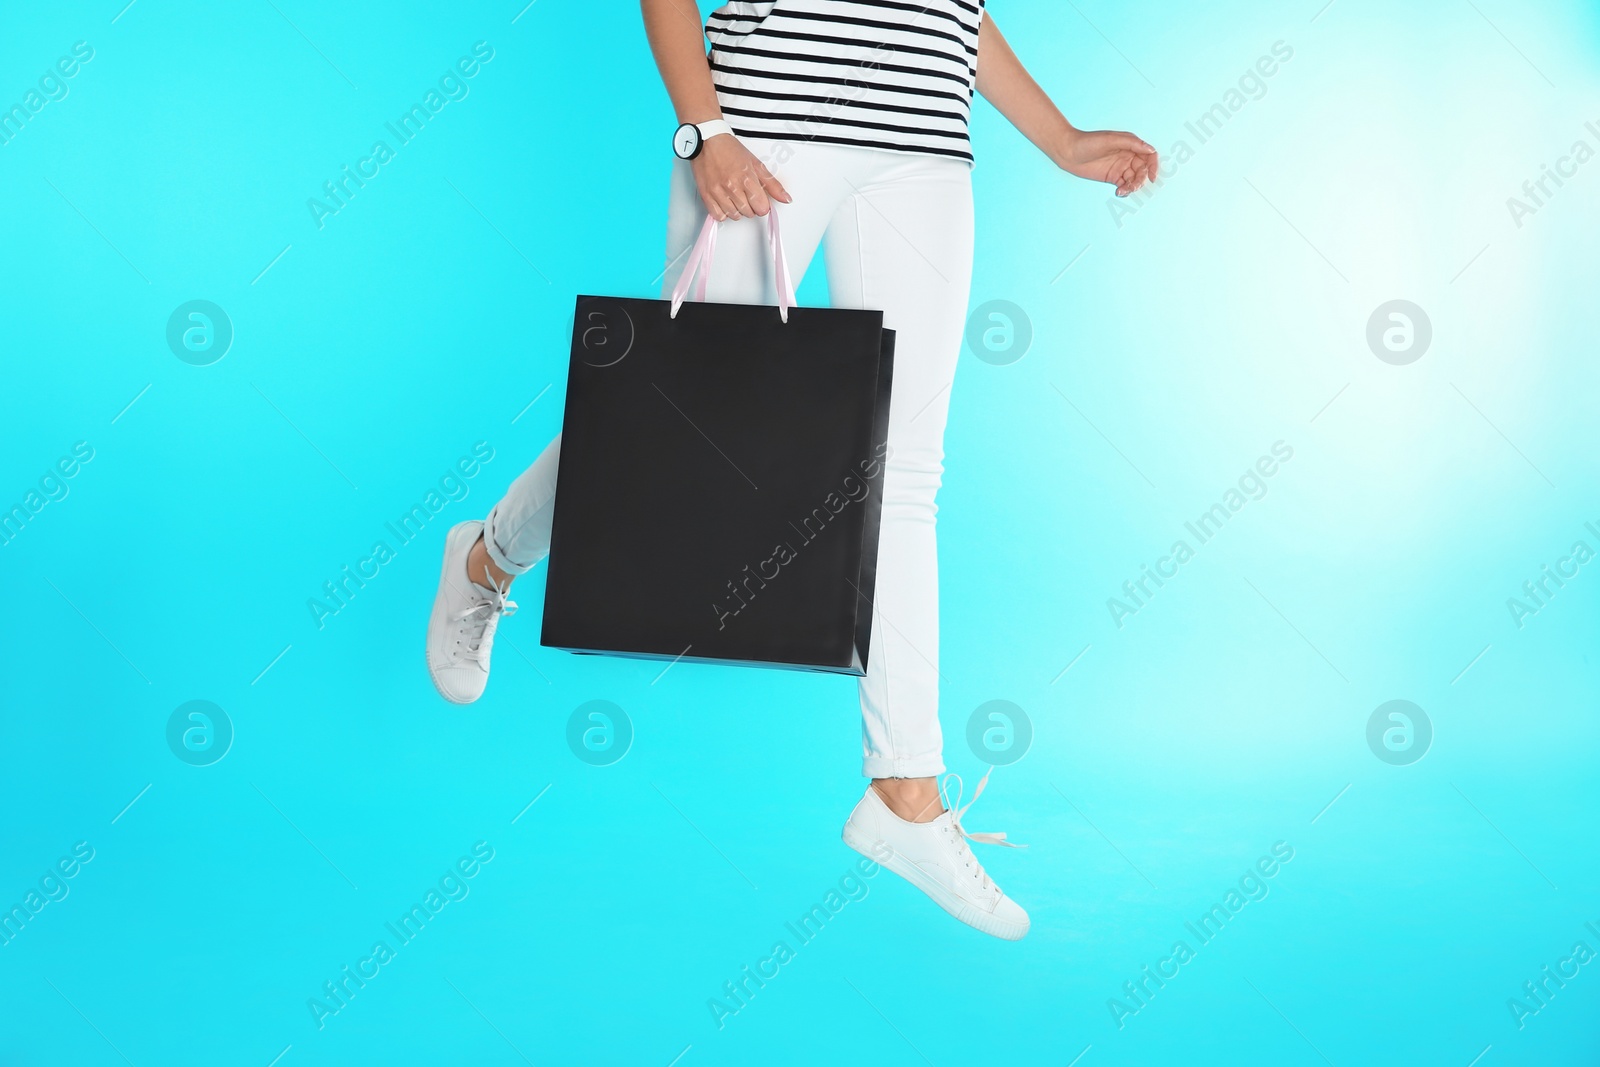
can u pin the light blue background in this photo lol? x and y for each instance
(1228, 313)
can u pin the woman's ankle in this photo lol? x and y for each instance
(912, 799)
(481, 568)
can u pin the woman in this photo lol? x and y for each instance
(852, 114)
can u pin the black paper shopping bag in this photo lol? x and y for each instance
(720, 478)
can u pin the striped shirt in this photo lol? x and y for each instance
(889, 74)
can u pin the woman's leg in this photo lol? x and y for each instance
(899, 239)
(516, 535)
(902, 242)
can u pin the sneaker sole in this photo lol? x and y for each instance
(437, 689)
(427, 653)
(960, 910)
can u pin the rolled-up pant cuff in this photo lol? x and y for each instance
(927, 766)
(490, 542)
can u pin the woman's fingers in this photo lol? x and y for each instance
(1136, 144)
(1135, 175)
(772, 186)
(721, 190)
(757, 196)
(733, 183)
(736, 196)
(1120, 172)
(714, 209)
(730, 210)
(740, 192)
(1140, 170)
(1142, 162)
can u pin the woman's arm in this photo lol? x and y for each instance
(733, 183)
(1102, 155)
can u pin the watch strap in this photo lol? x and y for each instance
(713, 128)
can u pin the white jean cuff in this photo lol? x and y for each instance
(929, 766)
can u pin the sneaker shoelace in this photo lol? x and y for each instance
(962, 835)
(482, 618)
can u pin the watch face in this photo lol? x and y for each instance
(686, 142)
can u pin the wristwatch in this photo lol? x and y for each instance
(691, 138)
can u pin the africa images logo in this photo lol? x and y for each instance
(452, 85)
(453, 486)
(452, 886)
(605, 334)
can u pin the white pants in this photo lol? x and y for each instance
(896, 230)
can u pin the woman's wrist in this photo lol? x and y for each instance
(1063, 143)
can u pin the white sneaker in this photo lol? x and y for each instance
(461, 628)
(934, 857)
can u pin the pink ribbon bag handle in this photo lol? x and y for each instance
(700, 263)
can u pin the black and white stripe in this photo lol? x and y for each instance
(891, 74)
